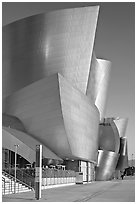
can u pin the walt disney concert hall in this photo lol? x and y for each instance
(54, 94)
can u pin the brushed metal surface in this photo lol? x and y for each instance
(59, 116)
(109, 136)
(121, 124)
(45, 44)
(107, 161)
(123, 146)
(98, 83)
(27, 144)
(123, 158)
(81, 119)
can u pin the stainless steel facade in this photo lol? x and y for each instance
(121, 124)
(59, 116)
(98, 83)
(123, 158)
(55, 90)
(112, 147)
(107, 161)
(41, 45)
(109, 139)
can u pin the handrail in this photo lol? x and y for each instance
(3, 179)
(19, 181)
(10, 188)
(4, 187)
(22, 176)
(27, 176)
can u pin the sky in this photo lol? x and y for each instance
(115, 41)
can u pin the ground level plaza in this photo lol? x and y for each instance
(97, 191)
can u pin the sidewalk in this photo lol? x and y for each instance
(98, 191)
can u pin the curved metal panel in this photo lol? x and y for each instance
(27, 144)
(59, 116)
(123, 146)
(107, 162)
(81, 120)
(38, 107)
(123, 159)
(98, 83)
(121, 124)
(108, 136)
(42, 45)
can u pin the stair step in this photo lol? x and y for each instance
(17, 191)
(9, 185)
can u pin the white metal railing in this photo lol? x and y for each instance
(9, 185)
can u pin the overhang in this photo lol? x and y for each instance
(27, 144)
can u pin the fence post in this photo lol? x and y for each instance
(16, 149)
(38, 172)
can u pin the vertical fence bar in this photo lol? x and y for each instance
(4, 187)
(16, 147)
(11, 185)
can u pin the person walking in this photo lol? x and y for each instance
(122, 176)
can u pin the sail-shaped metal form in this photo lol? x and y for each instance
(123, 158)
(98, 83)
(108, 153)
(121, 124)
(113, 153)
(55, 90)
(109, 139)
(53, 107)
(59, 116)
(57, 42)
(107, 161)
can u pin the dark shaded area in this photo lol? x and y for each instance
(12, 122)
